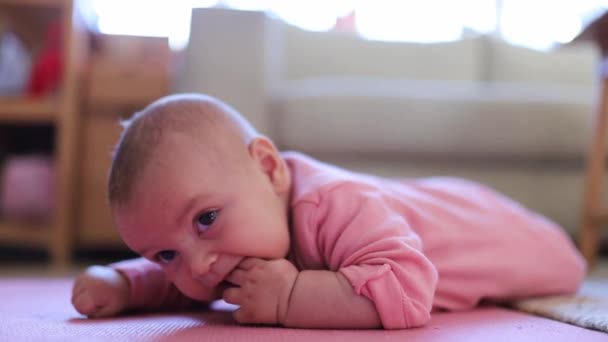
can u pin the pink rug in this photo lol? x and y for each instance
(39, 310)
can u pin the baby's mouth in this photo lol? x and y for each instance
(220, 281)
(221, 284)
(224, 284)
(221, 287)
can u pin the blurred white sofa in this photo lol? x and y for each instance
(513, 118)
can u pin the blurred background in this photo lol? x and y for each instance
(490, 90)
(540, 24)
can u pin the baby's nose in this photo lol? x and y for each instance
(201, 264)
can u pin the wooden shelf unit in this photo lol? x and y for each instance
(38, 3)
(61, 111)
(28, 110)
(25, 233)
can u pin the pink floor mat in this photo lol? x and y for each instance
(39, 310)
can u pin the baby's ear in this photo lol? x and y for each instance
(267, 157)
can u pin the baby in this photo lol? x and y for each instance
(217, 212)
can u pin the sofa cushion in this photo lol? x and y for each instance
(433, 118)
(575, 64)
(312, 54)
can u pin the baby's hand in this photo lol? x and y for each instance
(100, 291)
(263, 292)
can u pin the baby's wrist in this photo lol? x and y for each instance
(285, 301)
(123, 287)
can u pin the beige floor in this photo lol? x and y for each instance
(37, 270)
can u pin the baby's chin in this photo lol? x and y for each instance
(207, 294)
(211, 286)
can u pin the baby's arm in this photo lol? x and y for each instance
(274, 292)
(326, 299)
(136, 284)
(369, 246)
(375, 276)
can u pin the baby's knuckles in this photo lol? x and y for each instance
(106, 289)
(263, 291)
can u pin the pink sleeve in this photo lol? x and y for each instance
(375, 249)
(149, 287)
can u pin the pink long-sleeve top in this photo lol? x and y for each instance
(410, 246)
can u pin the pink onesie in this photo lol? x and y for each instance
(410, 246)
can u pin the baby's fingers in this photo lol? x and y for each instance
(237, 277)
(232, 295)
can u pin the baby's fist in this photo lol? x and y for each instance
(262, 290)
(100, 291)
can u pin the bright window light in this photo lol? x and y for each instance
(478, 15)
(312, 15)
(250, 5)
(537, 24)
(540, 24)
(418, 21)
(158, 18)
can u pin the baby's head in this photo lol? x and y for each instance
(195, 188)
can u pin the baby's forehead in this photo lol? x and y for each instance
(183, 158)
(177, 130)
(209, 149)
(214, 125)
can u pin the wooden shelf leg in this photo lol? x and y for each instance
(60, 246)
(589, 234)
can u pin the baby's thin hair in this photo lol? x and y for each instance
(142, 133)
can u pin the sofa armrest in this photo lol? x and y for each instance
(236, 57)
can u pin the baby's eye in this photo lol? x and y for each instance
(206, 219)
(166, 256)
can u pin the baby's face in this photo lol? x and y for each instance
(197, 214)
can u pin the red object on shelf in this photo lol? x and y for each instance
(47, 67)
(346, 23)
